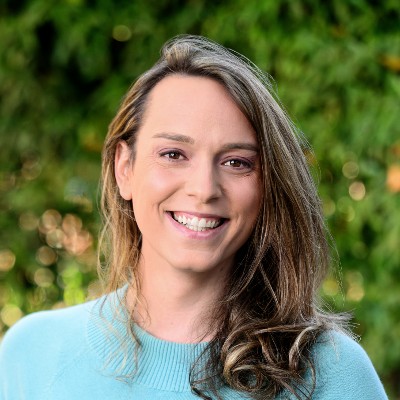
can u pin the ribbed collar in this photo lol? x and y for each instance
(161, 364)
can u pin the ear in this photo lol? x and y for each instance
(123, 170)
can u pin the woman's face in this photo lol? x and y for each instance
(195, 180)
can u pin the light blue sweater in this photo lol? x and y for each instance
(75, 353)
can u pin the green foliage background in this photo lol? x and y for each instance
(64, 66)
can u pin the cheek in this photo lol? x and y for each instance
(153, 185)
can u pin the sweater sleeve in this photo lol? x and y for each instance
(344, 371)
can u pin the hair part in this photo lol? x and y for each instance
(268, 317)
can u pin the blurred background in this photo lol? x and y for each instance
(64, 66)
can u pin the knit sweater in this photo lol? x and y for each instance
(75, 353)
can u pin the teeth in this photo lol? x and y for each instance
(196, 224)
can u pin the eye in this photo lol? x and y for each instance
(172, 155)
(237, 163)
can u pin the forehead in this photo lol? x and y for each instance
(191, 104)
(179, 86)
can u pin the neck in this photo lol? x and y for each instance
(176, 305)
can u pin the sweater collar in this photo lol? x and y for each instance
(157, 363)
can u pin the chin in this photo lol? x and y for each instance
(201, 266)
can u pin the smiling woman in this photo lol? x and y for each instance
(215, 249)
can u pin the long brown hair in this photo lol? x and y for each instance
(269, 316)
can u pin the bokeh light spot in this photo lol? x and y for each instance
(50, 220)
(71, 224)
(330, 287)
(46, 256)
(44, 277)
(55, 238)
(355, 293)
(121, 33)
(393, 178)
(357, 191)
(28, 221)
(76, 240)
(355, 290)
(329, 207)
(10, 314)
(7, 260)
(350, 170)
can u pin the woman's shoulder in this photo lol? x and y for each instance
(43, 332)
(337, 347)
(344, 370)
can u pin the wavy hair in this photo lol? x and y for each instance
(269, 315)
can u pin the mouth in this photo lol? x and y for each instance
(197, 224)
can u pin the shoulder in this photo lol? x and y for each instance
(42, 325)
(344, 370)
(337, 347)
(41, 334)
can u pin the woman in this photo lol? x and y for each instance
(216, 248)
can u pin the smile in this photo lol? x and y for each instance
(197, 224)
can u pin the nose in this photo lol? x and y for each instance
(203, 182)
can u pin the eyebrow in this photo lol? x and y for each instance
(187, 139)
(175, 137)
(243, 146)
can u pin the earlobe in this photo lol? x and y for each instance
(123, 170)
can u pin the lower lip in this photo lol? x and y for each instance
(207, 234)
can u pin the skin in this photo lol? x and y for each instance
(195, 156)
